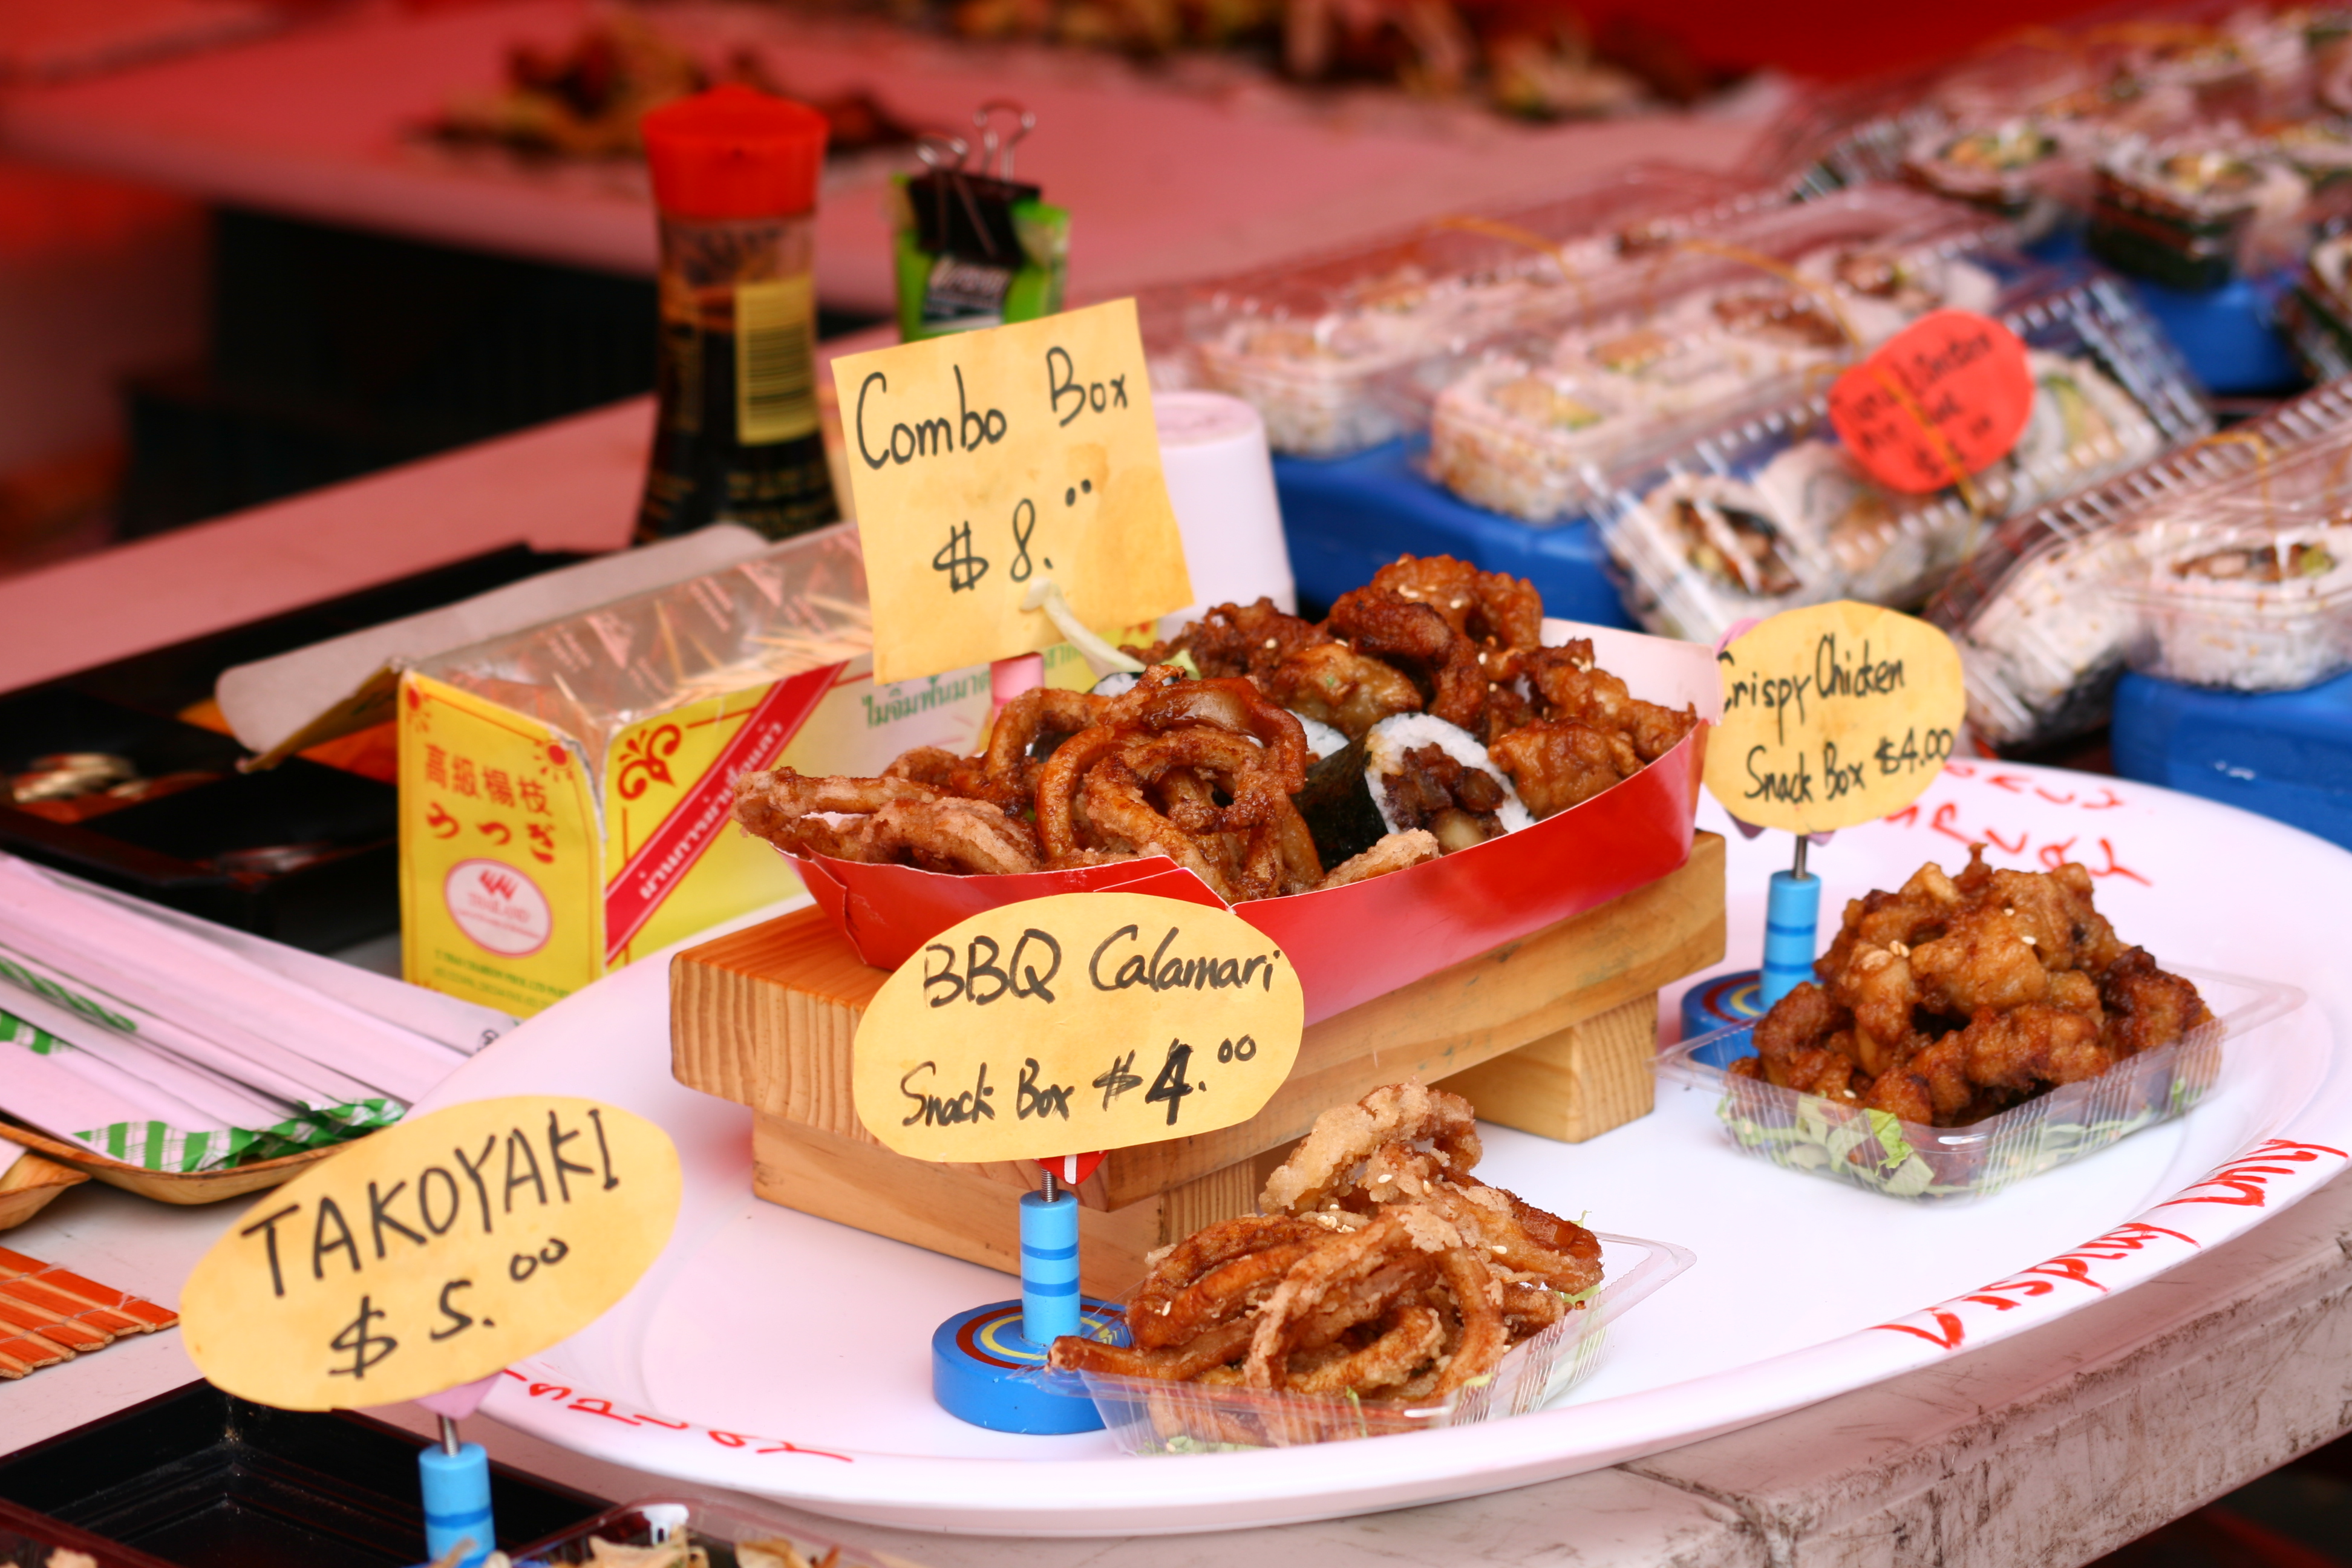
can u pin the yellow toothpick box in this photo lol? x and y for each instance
(564, 791)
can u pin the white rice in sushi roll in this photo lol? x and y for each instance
(1388, 741)
(2255, 611)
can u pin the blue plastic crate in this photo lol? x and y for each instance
(2286, 755)
(1347, 517)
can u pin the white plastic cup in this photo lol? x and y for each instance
(1221, 483)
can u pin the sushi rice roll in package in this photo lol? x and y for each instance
(1761, 309)
(2244, 595)
(1771, 511)
(2048, 612)
(1308, 342)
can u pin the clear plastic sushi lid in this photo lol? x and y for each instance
(2247, 592)
(1304, 339)
(1772, 511)
(2041, 633)
(1771, 304)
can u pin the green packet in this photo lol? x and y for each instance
(974, 251)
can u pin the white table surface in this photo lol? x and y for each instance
(1168, 179)
(2039, 1452)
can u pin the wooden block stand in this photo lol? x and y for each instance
(1552, 1034)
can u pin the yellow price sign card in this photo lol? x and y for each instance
(432, 1253)
(1073, 1023)
(1833, 715)
(983, 461)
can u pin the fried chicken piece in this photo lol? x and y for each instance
(1333, 684)
(1237, 639)
(2031, 1045)
(1958, 996)
(1567, 684)
(1556, 763)
(1396, 852)
(1876, 988)
(1497, 611)
(2148, 1009)
(1387, 625)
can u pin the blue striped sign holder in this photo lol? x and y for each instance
(988, 1365)
(1792, 916)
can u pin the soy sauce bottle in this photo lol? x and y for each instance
(735, 175)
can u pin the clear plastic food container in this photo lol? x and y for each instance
(1146, 1415)
(1875, 1150)
(2243, 596)
(1811, 525)
(2182, 215)
(1306, 341)
(2040, 634)
(717, 1530)
(1775, 304)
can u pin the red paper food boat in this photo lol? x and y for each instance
(1356, 942)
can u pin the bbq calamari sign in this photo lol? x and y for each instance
(432, 1253)
(1078, 1022)
(1833, 715)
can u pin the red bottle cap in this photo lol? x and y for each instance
(735, 151)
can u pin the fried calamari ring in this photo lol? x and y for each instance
(1324, 1167)
(1232, 705)
(1040, 710)
(1179, 1364)
(788, 809)
(1387, 625)
(1184, 1265)
(1120, 813)
(1485, 1336)
(1347, 1260)
(972, 837)
(1225, 1292)
(1415, 1337)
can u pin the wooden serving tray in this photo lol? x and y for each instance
(1552, 1033)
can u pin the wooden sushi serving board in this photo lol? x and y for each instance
(1552, 1033)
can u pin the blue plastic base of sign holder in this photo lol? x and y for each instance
(1719, 1003)
(985, 1371)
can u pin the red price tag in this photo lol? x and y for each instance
(1946, 396)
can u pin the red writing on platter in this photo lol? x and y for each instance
(1945, 397)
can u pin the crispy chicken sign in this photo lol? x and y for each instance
(1833, 715)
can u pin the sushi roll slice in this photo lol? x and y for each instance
(1705, 550)
(1423, 772)
(2083, 428)
(2251, 609)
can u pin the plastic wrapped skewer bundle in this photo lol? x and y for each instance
(1772, 511)
(2041, 634)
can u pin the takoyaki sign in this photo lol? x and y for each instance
(1076, 1022)
(1833, 715)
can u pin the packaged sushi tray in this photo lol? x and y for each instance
(1308, 341)
(1809, 288)
(2193, 150)
(1771, 511)
(2041, 633)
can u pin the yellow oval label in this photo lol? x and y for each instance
(433, 1253)
(1075, 1023)
(1833, 715)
